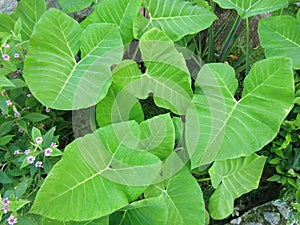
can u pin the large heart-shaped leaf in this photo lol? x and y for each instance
(92, 174)
(144, 212)
(51, 71)
(176, 18)
(166, 76)
(248, 8)
(119, 12)
(280, 36)
(219, 127)
(183, 197)
(29, 11)
(231, 179)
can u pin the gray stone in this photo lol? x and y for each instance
(276, 212)
(272, 217)
(8, 6)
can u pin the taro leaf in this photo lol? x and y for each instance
(119, 12)
(118, 105)
(248, 8)
(158, 135)
(152, 211)
(29, 11)
(280, 36)
(51, 71)
(166, 76)
(184, 199)
(75, 5)
(7, 23)
(231, 179)
(176, 18)
(221, 128)
(84, 178)
(101, 221)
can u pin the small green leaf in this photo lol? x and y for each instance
(5, 82)
(35, 133)
(4, 179)
(16, 205)
(18, 27)
(6, 127)
(6, 139)
(275, 177)
(21, 188)
(35, 117)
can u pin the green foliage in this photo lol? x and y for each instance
(133, 168)
(285, 33)
(247, 8)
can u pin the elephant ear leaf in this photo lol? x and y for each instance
(238, 128)
(176, 18)
(248, 8)
(50, 68)
(231, 179)
(280, 36)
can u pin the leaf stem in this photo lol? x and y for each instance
(229, 39)
(211, 40)
(203, 179)
(248, 46)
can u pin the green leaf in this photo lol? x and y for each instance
(29, 11)
(4, 179)
(248, 8)
(16, 205)
(158, 136)
(101, 221)
(231, 179)
(7, 23)
(92, 173)
(176, 18)
(184, 199)
(145, 212)
(219, 127)
(51, 71)
(167, 76)
(6, 127)
(21, 188)
(35, 132)
(35, 117)
(6, 139)
(5, 82)
(280, 36)
(75, 5)
(118, 105)
(123, 15)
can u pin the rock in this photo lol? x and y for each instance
(272, 218)
(276, 212)
(8, 6)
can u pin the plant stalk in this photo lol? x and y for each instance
(229, 39)
(248, 46)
